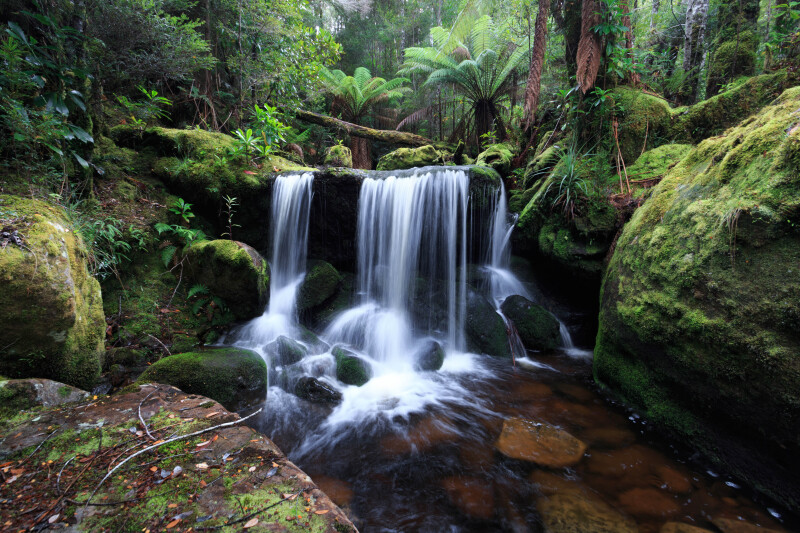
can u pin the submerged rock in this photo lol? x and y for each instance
(485, 329)
(537, 327)
(286, 351)
(235, 378)
(51, 309)
(573, 512)
(430, 357)
(731, 525)
(678, 527)
(473, 496)
(540, 443)
(403, 158)
(339, 156)
(232, 271)
(319, 285)
(316, 391)
(351, 369)
(701, 299)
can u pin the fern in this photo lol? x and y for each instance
(194, 290)
(167, 254)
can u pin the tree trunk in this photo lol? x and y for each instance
(534, 84)
(361, 149)
(693, 50)
(572, 33)
(388, 136)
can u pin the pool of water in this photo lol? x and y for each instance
(394, 466)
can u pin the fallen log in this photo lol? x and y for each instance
(389, 136)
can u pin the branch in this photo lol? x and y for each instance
(389, 136)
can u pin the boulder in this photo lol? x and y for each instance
(403, 158)
(497, 156)
(679, 527)
(19, 394)
(537, 327)
(232, 271)
(286, 351)
(350, 369)
(51, 309)
(339, 156)
(573, 512)
(485, 328)
(540, 443)
(699, 322)
(235, 378)
(316, 391)
(429, 357)
(320, 284)
(734, 525)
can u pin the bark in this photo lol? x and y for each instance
(389, 136)
(361, 149)
(693, 49)
(572, 32)
(589, 48)
(653, 15)
(534, 84)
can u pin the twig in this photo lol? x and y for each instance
(66, 491)
(39, 446)
(100, 504)
(144, 424)
(168, 457)
(254, 513)
(180, 278)
(646, 130)
(58, 479)
(151, 447)
(159, 342)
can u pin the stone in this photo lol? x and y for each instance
(51, 309)
(316, 391)
(19, 394)
(497, 156)
(473, 496)
(732, 525)
(679, 527)
(537, 327)
(430, 357)
(609, 437)
(339, 155)
(340, 492)
(574, 512)
(285, 351)
(319, 285)
(485, 328)
(673, 480)
(539, 443)
(232, 271)
(404, 158)
(351, 369)
(648, 502)
(234, 377)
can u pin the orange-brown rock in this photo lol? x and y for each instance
(648, 502)
(539, 443)
(473, 496)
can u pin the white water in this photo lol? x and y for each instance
(291, 205)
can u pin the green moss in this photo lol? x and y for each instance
(403, 158)
(231, 376)
(701, 298)
(541, 165)
(50, 306)
(339, 156)
(321, 283)
(537, 327)
(498, 157)
(731, 59)
(350, 369)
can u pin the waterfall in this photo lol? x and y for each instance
(291, 205)
(412, 245)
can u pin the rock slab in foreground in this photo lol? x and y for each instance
(539, 443)
(221, 477)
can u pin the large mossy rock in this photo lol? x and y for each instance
(51, 309)
(403, 158)
(350, 369)
(485, 328)
(235, 378)
(19, 394)
(319, 285)
(497, 156)
(732, 58)
(233, 271)
(537, 327)
(339, 156)
(700, 310)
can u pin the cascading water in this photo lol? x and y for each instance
(291, 205)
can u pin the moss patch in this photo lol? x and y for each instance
(339, 156)
(412, 157)
(320, 284)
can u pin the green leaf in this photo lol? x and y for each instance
(81, 161)
(167, 254)
(194, 290)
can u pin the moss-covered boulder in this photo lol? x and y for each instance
(351, 369)
(700, 310)
(232, 271)
(339, 156)
(484, 327)
(429, 357)
(235, 378)
(316, 391)
(51, 309)
(497, 156)
(541, 165)
(412, 157)
(319, 285)
(286, 351)
(19, 394)
(537, 327)
(731, 59)
(655, 163)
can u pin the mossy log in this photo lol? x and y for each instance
(389, 136)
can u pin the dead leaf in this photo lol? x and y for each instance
(209, 415)
(153, 468)
(250, 523)
(203, 443)
(53, 519)
(251, 469)
(172, 524)
(172, 505)
(12, 479)
(321, 512)
(201, 466)
(276, 465)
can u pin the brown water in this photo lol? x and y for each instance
(439, 470)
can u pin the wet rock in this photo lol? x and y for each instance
(316, 391)
(648, 502)
(235, 378)
(573, 512)
(473, 496)
(485, 329)
(423, 437)
(319, 285)
(286, 351)
(678, 527)
(232, 271)
(731, 525)
(51, 308)
(549, 483)
(539, 443)
(337, 490)
(351, 369)
(530, 390)
(673, 480)
(537, 327)
(609, 437)
(403, 158)
(430, 357)
(19, 394)
(339, 156)
(634, 460)
(497, 156)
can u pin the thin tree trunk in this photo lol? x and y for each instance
(653, 15)
(694, 31)
(534, 83)
(361, 150)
